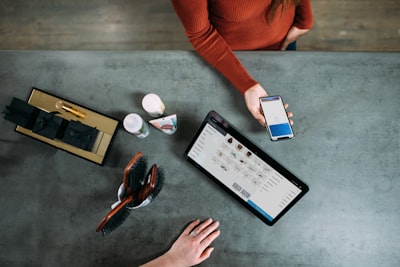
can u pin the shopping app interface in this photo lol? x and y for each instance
(243, 172)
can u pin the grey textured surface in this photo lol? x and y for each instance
(346, 108)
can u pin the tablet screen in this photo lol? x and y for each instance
(242, 169)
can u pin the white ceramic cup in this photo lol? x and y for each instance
(153, 105)
(134, 124)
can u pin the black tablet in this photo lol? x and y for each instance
(242, 169)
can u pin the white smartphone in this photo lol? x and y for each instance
(278, 124)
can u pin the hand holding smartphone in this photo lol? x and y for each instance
(277, 121)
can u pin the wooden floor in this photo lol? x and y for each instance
(340, 25)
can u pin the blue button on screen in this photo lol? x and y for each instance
(280, 129)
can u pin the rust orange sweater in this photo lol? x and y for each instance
(216, 27)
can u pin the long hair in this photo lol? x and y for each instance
(276, 3)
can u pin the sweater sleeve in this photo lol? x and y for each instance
(209, 44)
(304, 17)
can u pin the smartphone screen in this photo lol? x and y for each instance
(278, 124)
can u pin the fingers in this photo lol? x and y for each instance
(258, 115)
(284, 45)
(205, 233)
(289, 114)
(206, 242)
(260, 118)
(252, 100)
(202, 226)
(293, 34)
(193, 245)
(196, 228)
(252, 96)
(190, 227)
(203, 230)
(206, 254)
(208, 234)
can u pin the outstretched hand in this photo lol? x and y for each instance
(192, 246)
(252, 100)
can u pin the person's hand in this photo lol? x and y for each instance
(293, 34)
(192, 246)
(252, 99)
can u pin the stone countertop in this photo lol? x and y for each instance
(346, 149)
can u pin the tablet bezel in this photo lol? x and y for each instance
(216, 119)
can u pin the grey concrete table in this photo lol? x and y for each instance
(346, 108)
